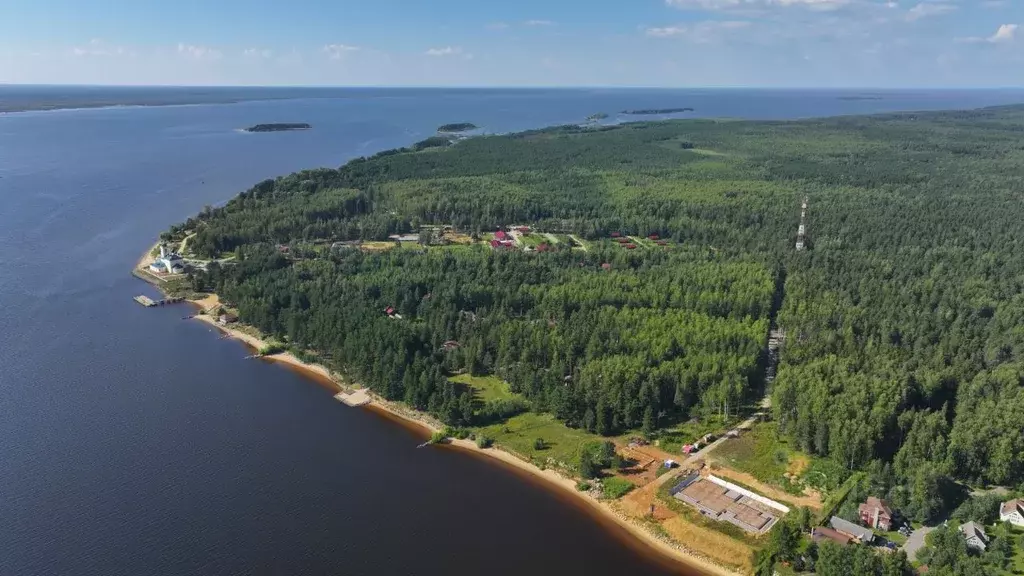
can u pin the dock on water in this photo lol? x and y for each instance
(149, 302)
(357, 398)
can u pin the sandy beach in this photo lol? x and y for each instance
(550, 478)
(641, 537)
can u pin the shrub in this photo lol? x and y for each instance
(439, 437)
(539, 444)
(272, 348)
(583, 486)
(616, 487)
(484, 442)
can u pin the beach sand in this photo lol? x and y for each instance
(605, 511)
(147, 258)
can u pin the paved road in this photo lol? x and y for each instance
(916, 541)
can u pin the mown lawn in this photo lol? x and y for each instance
(561, 443)
(485, 388)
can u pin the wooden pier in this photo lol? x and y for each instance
(357, 398)
(149, 302)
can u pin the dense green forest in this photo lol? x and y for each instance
(904, 348)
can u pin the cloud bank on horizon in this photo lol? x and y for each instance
(770, 43)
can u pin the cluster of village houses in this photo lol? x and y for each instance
(877, 514)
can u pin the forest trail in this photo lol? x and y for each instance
(802, 230)
(578, 242)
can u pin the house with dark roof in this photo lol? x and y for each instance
(859, 533)
(975, 535)
(876, 514)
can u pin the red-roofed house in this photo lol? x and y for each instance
(876, 514)
(500, 235)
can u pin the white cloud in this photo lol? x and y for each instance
(446, 51)
(700, 32)
(725, 5)
(497, 26)
(539, 23)
(199, 52)
(258, 52)
(926, 9)
(339, 51)
(97, 47)
(1005, 34)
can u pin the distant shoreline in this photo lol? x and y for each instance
(670, 554)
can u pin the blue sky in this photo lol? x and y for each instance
(678, 43)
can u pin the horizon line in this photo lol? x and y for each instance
(506, 87)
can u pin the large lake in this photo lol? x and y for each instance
(133, 442)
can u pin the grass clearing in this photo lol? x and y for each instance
(485, 388)
(561, 444)
(377, 246)
(761, 453)
(673, 439)
(533, 239)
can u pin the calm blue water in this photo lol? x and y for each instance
(132, 442)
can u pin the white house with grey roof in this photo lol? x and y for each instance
(859, 533)
(1012, 512)
(975, 535)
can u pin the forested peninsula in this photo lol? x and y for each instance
(280, 127)
(656, 111)
(456, 127)
(556, 288)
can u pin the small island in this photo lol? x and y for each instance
(281, 127)
(456, 127)
(596, 117)
(653, 111)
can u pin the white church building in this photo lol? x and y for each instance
(167, 263)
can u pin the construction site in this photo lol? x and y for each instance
(726, 502)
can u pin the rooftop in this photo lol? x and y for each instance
(859, 532)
